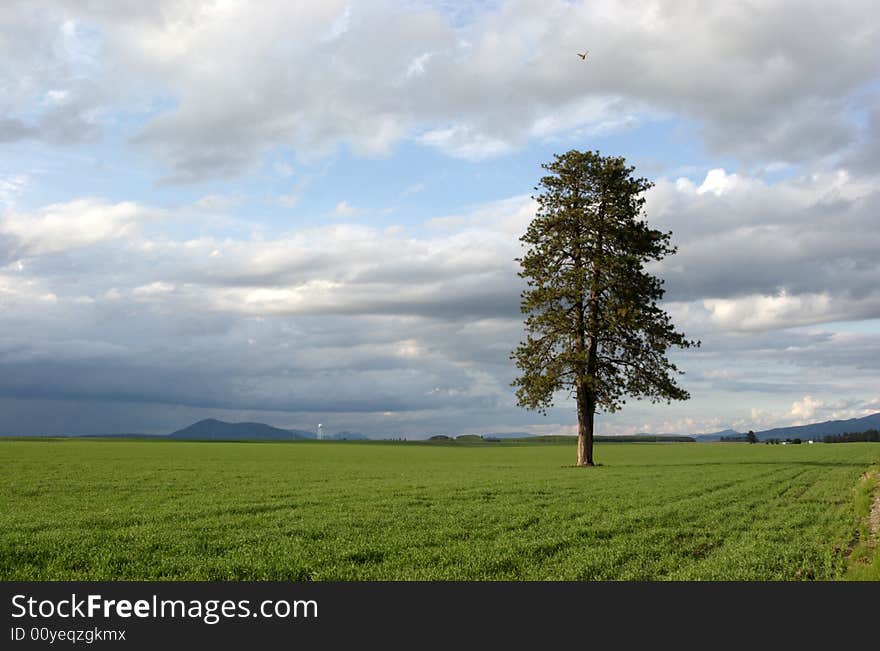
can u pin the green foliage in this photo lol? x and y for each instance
(871, 435)
(123, 510)
(592, 308)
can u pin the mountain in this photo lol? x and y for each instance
(813, 431)
(216, 430)
(816, 431)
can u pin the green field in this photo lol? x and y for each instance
(105, 510)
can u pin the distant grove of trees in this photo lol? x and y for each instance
(870, 436)
(751, 437)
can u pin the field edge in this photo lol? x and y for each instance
(864, 557)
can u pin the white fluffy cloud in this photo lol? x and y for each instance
(10, 187)
(754, 255)
(803, 410)
(64, 226)
(219, 83)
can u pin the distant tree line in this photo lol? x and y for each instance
(750, 437)
(645, 438)
(870, 436)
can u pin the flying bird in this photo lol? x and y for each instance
(584, 55)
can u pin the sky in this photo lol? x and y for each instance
(303, 213)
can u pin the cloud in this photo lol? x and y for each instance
(344, 209)
(760, 312)
(717, 182)
(53, 80)
(864, 156)
(804, 409)
(223, 84)
(313, 321)
(216, 202)
(288, 200)
(349, 319)
(283, 169)
(754, 255)
(75, 224)
(464, 141)
(13, 129)
(415, 188)
(11, 187)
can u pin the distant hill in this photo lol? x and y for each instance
(814, 431)
(818, 430)
(216, 430)
(212, 429)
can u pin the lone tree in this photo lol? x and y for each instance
(593, 324)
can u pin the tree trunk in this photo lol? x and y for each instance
(585, 408)
(586, 396)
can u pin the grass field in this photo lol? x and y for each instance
(104, 510)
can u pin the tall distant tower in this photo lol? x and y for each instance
(320, 432)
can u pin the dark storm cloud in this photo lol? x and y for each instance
(337, 380)
(406, 387)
